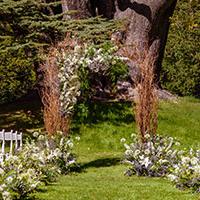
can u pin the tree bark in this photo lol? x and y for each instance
(81, 8)
(147, 21)
(147, 24)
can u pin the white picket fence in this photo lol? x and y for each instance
(13, 139)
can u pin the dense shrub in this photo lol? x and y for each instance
(159, 156)
(58, 150)
(181, 66)
(17, 75)
(155, 157)
(39, 162)
(18, 178)
(186, 173)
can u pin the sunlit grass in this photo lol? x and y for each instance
(109, 183)
(99, 151)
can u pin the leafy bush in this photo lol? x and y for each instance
(18, 179)
(186, 173)
(57, 151)
(155, 157)
(181, 69)
(89, 70)
(100, 69)
(39, 162)
(17, 75)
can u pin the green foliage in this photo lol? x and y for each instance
(16, 75)
(181, 67)
(28, 26)
(186, 174)
(40, 161)
(155, 157)
(20, 38)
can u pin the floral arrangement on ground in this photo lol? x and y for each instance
(160, 156)
(40, 162)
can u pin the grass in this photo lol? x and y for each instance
(99, 151)
(108, 183)
(181, 120)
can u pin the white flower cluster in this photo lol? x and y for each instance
(186, 174)
(18, 178)
(155, 157)
(69, 79)
(99, 59)
(88, 58)
(159, 157)
(39, 162)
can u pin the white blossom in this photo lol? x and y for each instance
(172, 177)
(77, 138)
(147, 151)
(194, 161)
(185, 159)
(122, 140)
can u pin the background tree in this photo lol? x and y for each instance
(146, 21)
(181, 66)
(26, 27)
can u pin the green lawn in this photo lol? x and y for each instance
(102, 182)
(99, 151)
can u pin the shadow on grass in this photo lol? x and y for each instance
(22, 114)
(33, 196)
(26, 113)
(95, 112)
(114, 113)
(101, 162)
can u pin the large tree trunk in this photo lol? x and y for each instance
(147, 24)
(147, 21)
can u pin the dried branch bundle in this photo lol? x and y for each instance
(53, 120)
(146, 105)
(54, 69)
(146, 101)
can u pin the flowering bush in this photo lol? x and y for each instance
(67, 62)
(103, 60)
(82, 66)
(101, 68)
(57, 150)
(18, 178)
(186, 173)
(155, 157)
(159, 157)
(40, 161)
